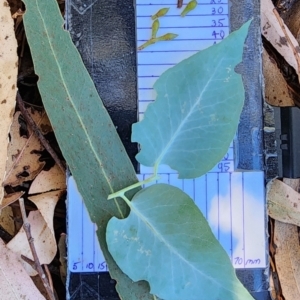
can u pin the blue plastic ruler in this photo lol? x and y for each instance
(232, 201)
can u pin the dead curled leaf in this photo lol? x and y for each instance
(281, 39)
(15, 283)
(54, 179)
(41, 222)
(277, 91)
(46, 203)
(7, 221)
(42, 120)
(8, 82)
(287, 259)
(11, 198)
(293, 20)
(283, 202)
(62, 248)
(23, 159)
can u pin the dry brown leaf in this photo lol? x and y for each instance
(62, 248)
(11, 198)
(44, 240)
(22, 157)
(46, 203)
(293, 20)
(272, 289)
(279, 38)
(276, 89)
(287, 259)
(8, 82)
(283, 202)
(6, 220)
(42, 120)
(54, 179)
(15, 284)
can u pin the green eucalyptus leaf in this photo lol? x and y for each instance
(196, 112)
(167, 241)
(83, 128)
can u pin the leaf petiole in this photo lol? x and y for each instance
(165, 37)
(121, 193)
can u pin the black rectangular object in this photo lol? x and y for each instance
(104, 34)
(287, 126)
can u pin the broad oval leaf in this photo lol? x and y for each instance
(167, 241)
(196, 112)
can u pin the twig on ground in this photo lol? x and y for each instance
(38, 133)
(29, 261)
(38, 267)
(49, 278)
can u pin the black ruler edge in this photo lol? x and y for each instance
(248, 146)
(104, 33)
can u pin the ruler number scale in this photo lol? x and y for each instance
(232, 202)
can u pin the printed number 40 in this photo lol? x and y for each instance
(220, 34)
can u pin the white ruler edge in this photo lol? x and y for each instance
(232, 202)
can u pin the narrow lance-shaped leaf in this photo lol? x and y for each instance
(167, 241)
(196, 112)
(84, 130)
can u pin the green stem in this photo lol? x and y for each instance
(121, 193)
(154, 297)
(153, 40)
(146, 44)
(126, 200)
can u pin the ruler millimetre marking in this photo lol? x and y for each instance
(232, 202)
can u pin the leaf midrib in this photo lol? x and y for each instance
(77, 113)
(172, 249)
(178, 130)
